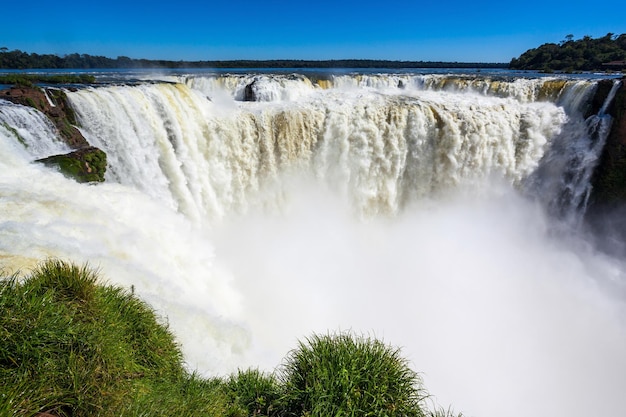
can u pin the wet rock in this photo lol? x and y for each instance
(609, 179)
(249, 93)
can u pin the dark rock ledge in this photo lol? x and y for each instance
(609, 178)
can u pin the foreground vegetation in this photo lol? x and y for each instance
(71, 346)
(586, 54)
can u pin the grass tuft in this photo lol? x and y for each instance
(257, 393)
(343, 374)
(65, 282)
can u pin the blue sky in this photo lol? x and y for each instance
(464, 31)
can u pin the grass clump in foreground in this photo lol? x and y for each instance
(342, 375)
(71, 346)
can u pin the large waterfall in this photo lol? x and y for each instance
(252, 210)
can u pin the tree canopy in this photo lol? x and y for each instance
(17, 59)
(586, 54)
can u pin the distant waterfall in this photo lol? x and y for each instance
(272, 87)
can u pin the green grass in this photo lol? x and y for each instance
(257, 393)
(73, 346)
(344, 375)
(76, 348)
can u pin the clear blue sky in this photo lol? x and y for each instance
(465, 31)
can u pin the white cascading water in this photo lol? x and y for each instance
(381, 150)
(32, 128)
(392, 206)
(563, 179)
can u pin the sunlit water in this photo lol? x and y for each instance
(405, 208)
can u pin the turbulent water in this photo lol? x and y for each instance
(252, 210)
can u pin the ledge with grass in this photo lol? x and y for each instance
(83, 165)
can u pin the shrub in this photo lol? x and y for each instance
(345, 375)
(255, 392)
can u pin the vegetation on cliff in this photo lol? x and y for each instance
(584, 54)
(83, 165)
(72, 346)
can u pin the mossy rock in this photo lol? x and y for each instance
(83, 165)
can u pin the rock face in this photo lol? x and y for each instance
(609, 180)
(59, 111)
(249, 93)
(84, 165)
(598, 99)
(606, 213)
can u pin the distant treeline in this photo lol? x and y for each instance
(586, 54)
(21, 60)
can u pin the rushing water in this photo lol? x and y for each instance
(254, 209)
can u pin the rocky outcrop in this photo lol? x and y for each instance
(83, 165)
(609, 179)
(249, 93)
(606, 213)
(599, 97)
(55, 106)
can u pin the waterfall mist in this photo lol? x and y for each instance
(501, 318)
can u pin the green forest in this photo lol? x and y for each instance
(569, 55)
(586, 54)
(20, 60)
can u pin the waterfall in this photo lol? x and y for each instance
(563, 179)
(379, 150)
(32, 128)
(133, 239)
(412, 207)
